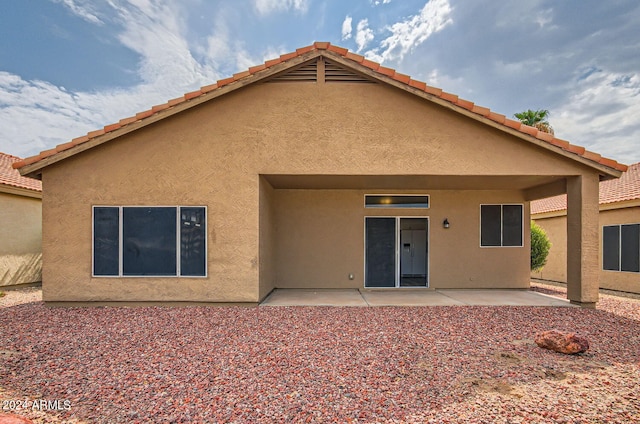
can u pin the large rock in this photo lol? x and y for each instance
(568, 343)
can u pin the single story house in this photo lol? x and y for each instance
(317, 169)
(619, 233)
(20, 225)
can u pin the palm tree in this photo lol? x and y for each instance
(535, 118)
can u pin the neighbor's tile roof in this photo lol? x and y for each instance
(11, 177)
(359, 60)
(625, 188)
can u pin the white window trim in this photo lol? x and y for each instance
(501, 219)
(619, 248)
(120, 241)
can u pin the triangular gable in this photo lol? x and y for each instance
(328, 63)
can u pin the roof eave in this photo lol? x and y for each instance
(18, 191)
(31, 170)
(355, 62)
(605, 171)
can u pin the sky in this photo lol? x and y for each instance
(68, 67)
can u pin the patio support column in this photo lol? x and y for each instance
(582, 240)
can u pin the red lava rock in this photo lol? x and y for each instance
(567, 343)
(14, 419)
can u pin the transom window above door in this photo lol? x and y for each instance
(396, 201)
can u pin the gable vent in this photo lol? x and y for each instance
(307, 72)
(313, 72)
(336, 73)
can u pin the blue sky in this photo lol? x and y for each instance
(72, 66)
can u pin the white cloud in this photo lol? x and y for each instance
(37, 115)
(378, 2)
(265, 7)
(407, 34)
(602, 115)
(544, 17)
(364, 34)
(346, 27)
(82, 8)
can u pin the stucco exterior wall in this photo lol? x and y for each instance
(214, 155)
(267, 247)
(20, 239)
(320, 240)
(556, 267)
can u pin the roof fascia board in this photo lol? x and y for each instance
(546, 215)
(633, 203)
(24, 192)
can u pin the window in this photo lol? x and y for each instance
(621, 248)
(135, 241)
(501, 225)
(396, 201)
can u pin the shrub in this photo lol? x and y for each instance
(540, 246)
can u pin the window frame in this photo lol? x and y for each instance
(522, 226)
(121, 241)
(396, 205)
(620, 257)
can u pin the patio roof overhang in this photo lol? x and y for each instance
(416, 182)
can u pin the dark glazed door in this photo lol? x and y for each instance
(380, 252)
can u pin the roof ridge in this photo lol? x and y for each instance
(359, 59)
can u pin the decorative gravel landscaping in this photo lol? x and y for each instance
(322, 364)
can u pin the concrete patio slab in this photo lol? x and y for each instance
(504, 298)
(313, 297)
(408, 297)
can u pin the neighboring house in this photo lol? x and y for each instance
(619, 229)
(20, 225)
(318, 169)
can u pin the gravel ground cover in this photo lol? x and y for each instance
(322, 364)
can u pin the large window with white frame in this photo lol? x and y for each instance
(621, 247)
(150, 241)
(502, 225)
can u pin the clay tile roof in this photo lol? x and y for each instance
(11, 177)
(622, 189)
(382, 72)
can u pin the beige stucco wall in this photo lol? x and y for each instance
(267, 246)
(214, 154)
(320, 240)
(20, 239)
(556, 268)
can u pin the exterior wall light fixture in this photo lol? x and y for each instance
(445, 223)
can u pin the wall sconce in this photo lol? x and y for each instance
(445, 223)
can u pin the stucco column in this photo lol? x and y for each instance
(582, 240)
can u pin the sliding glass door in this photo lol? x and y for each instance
(396, 252)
